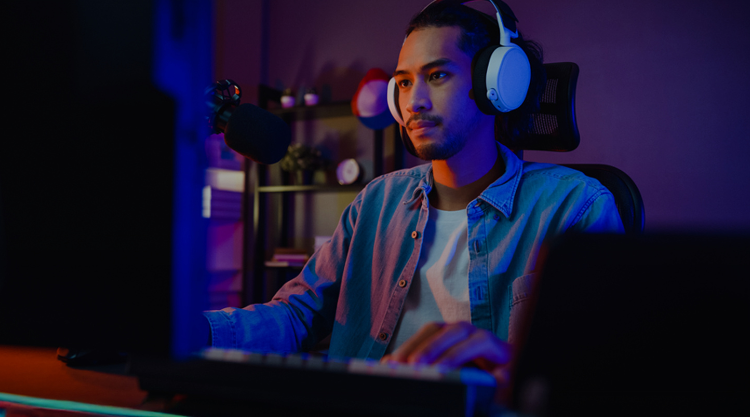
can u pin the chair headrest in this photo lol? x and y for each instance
(554, 126)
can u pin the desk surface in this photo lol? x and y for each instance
(36, 372)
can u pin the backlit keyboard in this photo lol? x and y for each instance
(308, 383)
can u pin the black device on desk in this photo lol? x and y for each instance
(639, 325)
(87, 182)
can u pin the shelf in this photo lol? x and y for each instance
(310, 188)
(280, 265)
(258, 233)
(319, 111)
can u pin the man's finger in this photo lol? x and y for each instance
(480, 347)
(402, 353)
(431, 348)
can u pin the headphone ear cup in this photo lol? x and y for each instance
(392, 96)
(500, 79)
(479, 80)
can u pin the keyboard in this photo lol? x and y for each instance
(305, 383)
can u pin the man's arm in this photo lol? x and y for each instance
(302, 311)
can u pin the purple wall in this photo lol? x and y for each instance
(238, 48)
(662, 92)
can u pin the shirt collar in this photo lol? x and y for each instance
(501, 193)
(423, 188)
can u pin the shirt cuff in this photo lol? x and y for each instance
(221, 329)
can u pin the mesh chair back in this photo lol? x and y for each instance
(554, 126)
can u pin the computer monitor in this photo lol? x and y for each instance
(102, 242)
(652, 324)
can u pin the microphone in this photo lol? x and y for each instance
(249, 130)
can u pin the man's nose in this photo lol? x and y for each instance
(419, 100)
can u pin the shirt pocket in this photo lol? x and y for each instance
(519, 307)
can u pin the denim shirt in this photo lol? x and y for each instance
(354, 286)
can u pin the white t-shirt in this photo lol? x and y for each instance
(440, 288)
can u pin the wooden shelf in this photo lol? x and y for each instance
(299, 267)
(319, 111)
(310, 188)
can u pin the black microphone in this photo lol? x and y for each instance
(249, 130)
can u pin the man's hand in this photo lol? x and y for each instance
(455, 345)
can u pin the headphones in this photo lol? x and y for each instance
(501, 74)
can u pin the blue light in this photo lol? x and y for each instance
(182, 69)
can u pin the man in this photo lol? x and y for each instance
(454, 241)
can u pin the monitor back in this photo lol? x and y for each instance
(654, 324)
(88, 166)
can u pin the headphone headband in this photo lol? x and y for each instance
(507, 27)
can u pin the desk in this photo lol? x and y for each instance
(36, 372)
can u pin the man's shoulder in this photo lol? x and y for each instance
(538, 173)
(393, 186)
(418, 172)
(409, 177)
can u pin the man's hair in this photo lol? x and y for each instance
(479, 30)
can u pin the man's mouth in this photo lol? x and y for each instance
(419, 127)
(419, 124)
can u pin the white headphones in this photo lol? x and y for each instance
(501, 74)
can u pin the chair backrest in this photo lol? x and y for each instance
(555, 129)
(554, 126)
(627, 197)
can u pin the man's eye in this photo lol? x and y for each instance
(437, 75)
(404, 83)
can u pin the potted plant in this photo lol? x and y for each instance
(300, 161)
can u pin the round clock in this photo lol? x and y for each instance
(348, 172)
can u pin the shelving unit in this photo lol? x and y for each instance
(258, 191)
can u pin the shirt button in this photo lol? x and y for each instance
(383, 336)
(414, 234)
(402, 283)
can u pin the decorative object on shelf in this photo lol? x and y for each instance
(311, 97)
(370, 102)
(302, 160)
(286, 257)
(287, 98)
(348, 172)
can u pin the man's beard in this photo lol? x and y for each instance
(455, 139)
(453, 144)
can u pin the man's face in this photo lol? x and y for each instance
(434, 81)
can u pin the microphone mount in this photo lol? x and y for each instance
(222, 97)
